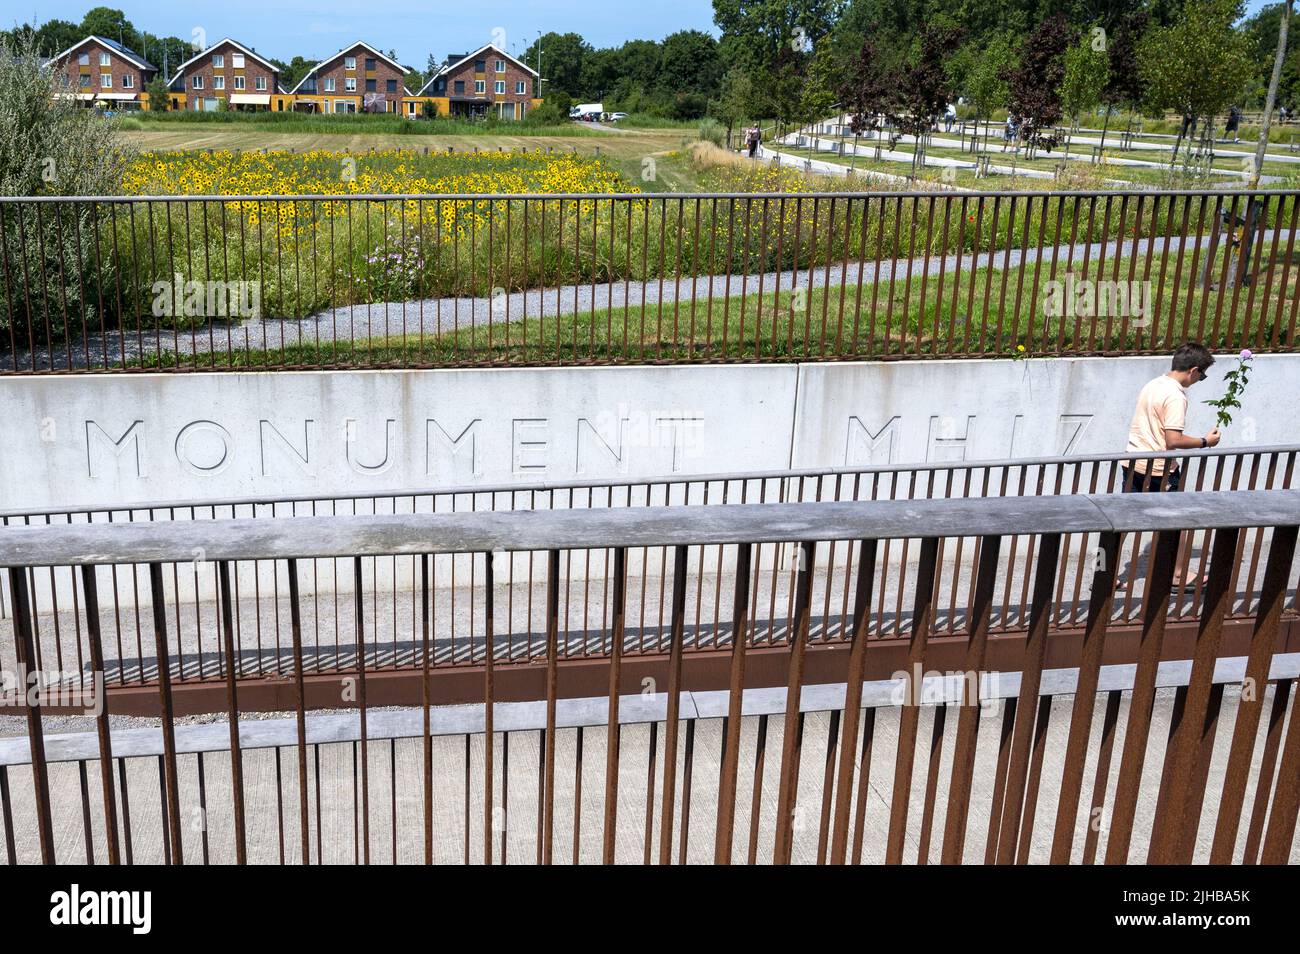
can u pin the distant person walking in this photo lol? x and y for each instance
(949, 117)
(752, 136)
(1234, 121)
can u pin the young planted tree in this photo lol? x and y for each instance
(156, 90)
(1124, 87)
(1085, 75)
(986, 83)
(1197, 64)
(923, 88)
(1034, 103)
(736, 99)
(868, 89)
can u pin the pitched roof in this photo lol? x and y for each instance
(352, 46)
(235, 43)
(455, 59)
(131, 55)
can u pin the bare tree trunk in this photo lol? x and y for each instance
(1273, 81)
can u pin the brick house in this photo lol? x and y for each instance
(358, 78)
(100, 70)
(227, 71)
(484, 82)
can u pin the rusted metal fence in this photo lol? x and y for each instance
(259, 589)
(328, 281)
(787, 775)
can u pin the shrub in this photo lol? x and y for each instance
(50, 146)
(712, 131)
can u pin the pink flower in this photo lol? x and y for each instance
(1246, 354)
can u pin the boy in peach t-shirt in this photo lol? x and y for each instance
(1160, 418)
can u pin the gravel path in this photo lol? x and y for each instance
(437, 316)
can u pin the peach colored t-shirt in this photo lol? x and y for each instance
(1161, 405)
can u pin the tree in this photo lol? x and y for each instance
(562, 59)
(1124, 87)
(690, 62)
(156, 88)
(758, 34)
(1034, 85)
(867, 91)
(1198, 64)
(986, 83)
(110, 24)
(736, 99)
(1086, 67)
(51, 146)
(923, 88)
(818, 95)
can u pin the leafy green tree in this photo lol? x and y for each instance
(1086, 67)
(111, 24)
(986, 83)
(1198, 64)
(562, 57)
(690, 62)
(159, 101)
(736, 99)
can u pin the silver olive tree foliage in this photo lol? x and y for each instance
(53, 268)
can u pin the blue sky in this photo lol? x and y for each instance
(415, 28)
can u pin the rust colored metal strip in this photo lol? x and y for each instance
(1101, 601)
(1027, 710)
(726, 817)
(1286, 797)
(853, 697)
(232, 703)
(300, 710)
(676, 636)
(25, 651)
(90, 589)
(1250, 705)
(614, 732)
(168, 758)
(547, 811)
(1142, 699)
(963, 756)
(788, 788)
(909, 717)
(1267, 767)
(1104, 754)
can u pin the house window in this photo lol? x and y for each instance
(501, 66)
(480, 86)
(370, 62)
(370, 86)
(239, 82)
(218, 82)
(237, 60)
(460, 87)
(350, 84)
(391, 86)
(84, 80)
(196, 82)
(128, 81)
(260, 82)
(105, 59)
(218, 61)
(349, 62)
(329, 84)
(105, 80)
(480, 66)
(519, 88)
(499, 86)
(84, 59)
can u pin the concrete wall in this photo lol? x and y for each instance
(113, 439)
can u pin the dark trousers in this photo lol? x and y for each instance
(1137, 483)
